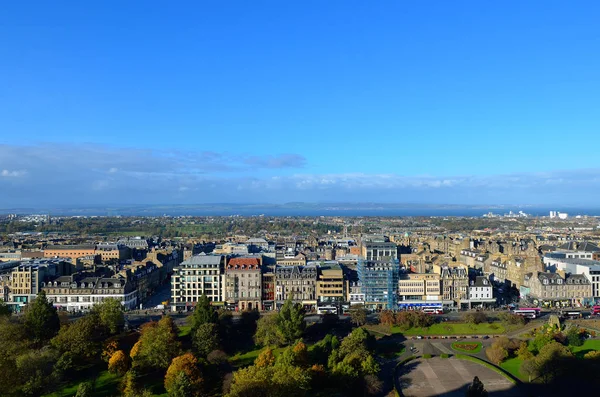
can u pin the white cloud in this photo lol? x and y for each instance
(12, 174)
(95, 175)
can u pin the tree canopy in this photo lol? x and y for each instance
(158, 344)
(203, 313)
(41, 319)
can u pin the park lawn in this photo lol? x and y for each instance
(184, 330)
(588, 345)
(447, 328)
(512, 366)
(477, 349)
(245, 359)
(106, 385)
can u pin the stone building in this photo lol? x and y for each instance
(79, 292)
(243, 283)
(554, 289)
(297, 282)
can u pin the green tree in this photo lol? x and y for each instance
(574, 337)
(110, 314)
(271, 381)
(358, 314)
(203, 313)
(476, 389)
(291, 322)
(553, 361)
(475, 317)
(4, 309)
(206, 339)
(13, 343)
(85, 389)
(181, 386)
(82, 338)
(158, 344)
(540, 340)
(35, 369)
(268, 332)
(523, 352)
(530, 368)
(130, 384)
(41, 319)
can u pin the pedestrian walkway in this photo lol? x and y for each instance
(440, 346)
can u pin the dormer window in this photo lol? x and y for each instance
(545, 281)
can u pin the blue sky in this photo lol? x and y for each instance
(465, 102)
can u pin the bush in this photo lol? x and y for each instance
(475, 317)
(426, 355)
(511, 319)
(444, 355)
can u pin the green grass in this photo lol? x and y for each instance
(512, 366)
(184, 330)
(106, 385)
(588, 345)
(247, 358)
(447, 328)
(485, 364)
(477, 349)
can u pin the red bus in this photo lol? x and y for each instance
(595, 310)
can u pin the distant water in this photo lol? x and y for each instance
(341, 211)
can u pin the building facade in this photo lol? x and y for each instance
(379, 282)
(243, 283)
(200, 275)
(380, 251)
(69, 251)
(296, 282)
(331, 286)
(481, 290)
(455, 283)
(78, 292)
(553, 289)
(416, 289)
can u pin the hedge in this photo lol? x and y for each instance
(444, 355)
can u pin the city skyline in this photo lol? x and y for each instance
(463, 103)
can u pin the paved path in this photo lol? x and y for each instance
(450, 377)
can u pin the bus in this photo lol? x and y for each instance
(527, 313)
(433, 310)
(595, 310)
(327, 310)
(571, 315)
(537, 310)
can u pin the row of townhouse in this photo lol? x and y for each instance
(245, 282)
(70, 287)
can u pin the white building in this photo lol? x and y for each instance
(481, 290)
(79, 292)
(199, 275)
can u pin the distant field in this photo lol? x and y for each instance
(454, 329)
